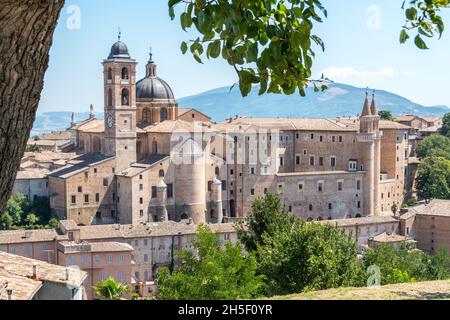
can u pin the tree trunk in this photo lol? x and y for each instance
(26, 32)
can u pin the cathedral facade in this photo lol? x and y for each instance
(150, 160)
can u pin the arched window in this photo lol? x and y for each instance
(161, 173)
(309, 219)
(146, 116)
(319, 219)
(358, 216)
(109, 74)
(125, 75)
(184, 216)
(163, 115)
(110, 98)
(125, 97)
(217, 171)
(154, 147)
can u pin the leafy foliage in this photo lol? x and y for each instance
(294, 255)
(309, 256)
(445, 130)
(386, 115)
(215, 272)
(267, 217)
(423, 16)
(267, 42)
(22, 213)
(434, 146)
(110, 289)
(433, 179)
(407, 265)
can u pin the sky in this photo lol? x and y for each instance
(361, 39)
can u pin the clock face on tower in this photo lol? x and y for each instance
(109, 121)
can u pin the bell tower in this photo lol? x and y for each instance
(120, 105)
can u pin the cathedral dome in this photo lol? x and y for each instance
(152, 87)
(119, 50)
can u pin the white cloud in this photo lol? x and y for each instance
(336, 73)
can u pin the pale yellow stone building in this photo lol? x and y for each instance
(150, 161)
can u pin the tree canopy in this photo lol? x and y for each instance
(433, 178)
(215, 272)
(435, 145)
(386, 115)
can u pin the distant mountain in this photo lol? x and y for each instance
(221, 103)
(338, 100)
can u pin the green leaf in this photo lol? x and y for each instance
(214, 49)
(420, 43)
(197, 56)
(411, 13)
(184, 47)
(403, 36)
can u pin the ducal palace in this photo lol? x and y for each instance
(151, 161)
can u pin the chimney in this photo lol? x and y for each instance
(9, 292)
(34, 272)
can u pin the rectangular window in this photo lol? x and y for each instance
(74, 200)
(72, 260)
(252, 192)
(224, 185)
(105, 182)
(109, 259)
(85, 260)
(281, 161)
(320, 161)
(114, 196)
(231, 172)
(301, 187)
(352, 165)
(359, 204)
(141, 213)
(141, 187)
(312, 136)
(321, 138)
(320, 186)
(97, 197)
(333, 138)
(96, 258)
(121, 258)
(86, 198)
(141, 200)
(154, 192)
(169, 190)
(330, 206)
(145, 257)
(145, 242)
(340, 185)
(341, 139)
(80, 189)
(297, 159)
(141, 177)
(252, 170)
(333, 161)
(121, 277)
(311, 160)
